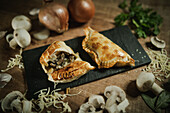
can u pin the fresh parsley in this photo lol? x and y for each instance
(145, 22)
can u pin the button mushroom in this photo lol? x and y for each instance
(146, 82)
(21, 22)
(157, 42)
(6, 102)
(97, 101)
(21, 38)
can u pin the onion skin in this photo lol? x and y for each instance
(81, 10)
(54, 16)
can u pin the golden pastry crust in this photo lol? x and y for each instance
(72, 71)
(103, 51)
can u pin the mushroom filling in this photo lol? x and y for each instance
(60, 60)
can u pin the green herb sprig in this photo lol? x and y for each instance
(145, 22)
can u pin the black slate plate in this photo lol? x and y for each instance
(37, 79)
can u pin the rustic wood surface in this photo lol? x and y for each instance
(106, 10)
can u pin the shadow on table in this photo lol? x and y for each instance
(132, 89)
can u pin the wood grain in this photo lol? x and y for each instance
(106, 10)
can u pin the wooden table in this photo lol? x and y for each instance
(106, 10)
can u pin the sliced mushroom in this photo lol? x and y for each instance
(116, 92)
(17, 105)
(27, 106)
(97, 101)
(6, 102)
(116, 102)
(111, 105)
(116, 99)
(42, 35)
(123, 105)
(9, 37)
(146, 82)
(4, 79)
(21, 22)
(111, 100)
(112, 108)
(34, 11)
(21, 38)
(87, 108)
(157, 42)
(2, 34)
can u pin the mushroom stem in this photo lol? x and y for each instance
(112, 108)
(146, 82)
(122, 106)
(13, 44)
(156, 89)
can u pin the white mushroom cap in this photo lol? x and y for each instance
(145, 81)
(87, 108)
(21, 38)
(4, 79)
(119, 94)
(6, 102)
(157, 42)
(97, 101)
(21, 21)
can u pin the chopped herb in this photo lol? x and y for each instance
(145, 22)
(123, 5)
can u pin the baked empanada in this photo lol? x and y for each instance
(103, 51)
(61, 63)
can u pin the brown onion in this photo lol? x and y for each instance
(54, 16)
(81, 10)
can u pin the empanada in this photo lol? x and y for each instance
(103, 51)
(61, 63)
